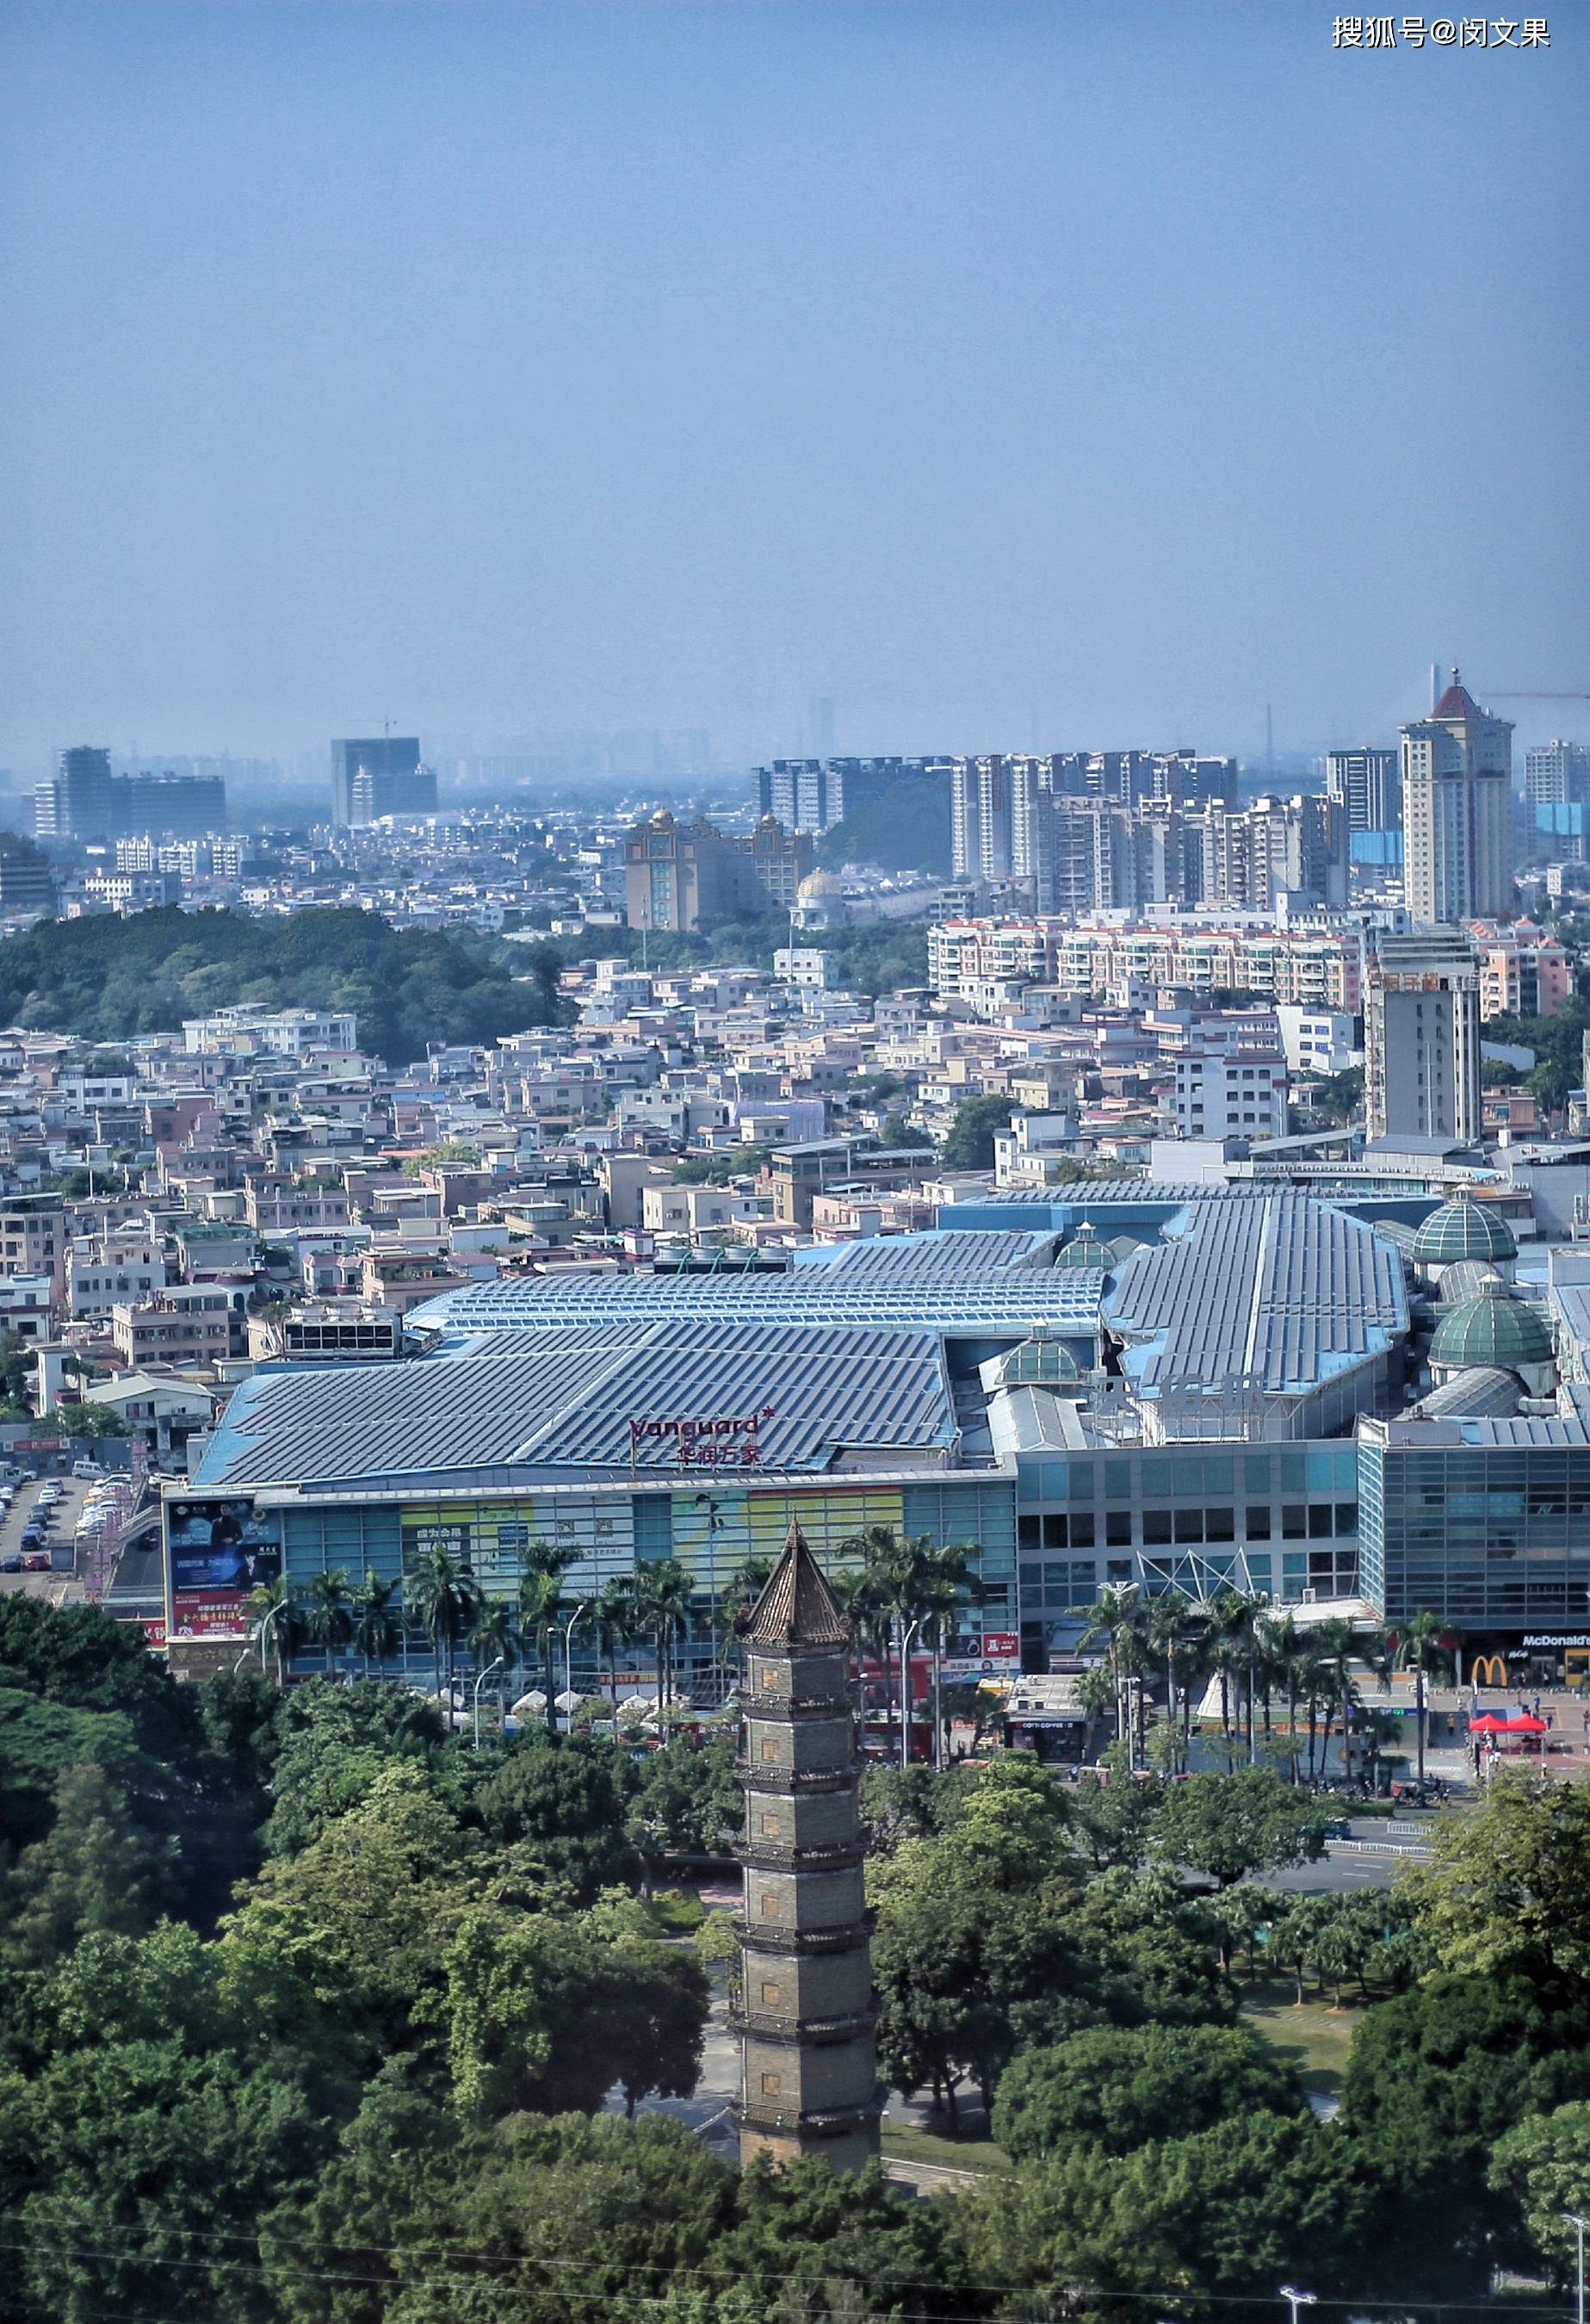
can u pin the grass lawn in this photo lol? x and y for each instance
(973, 2151)
(1315, 2039)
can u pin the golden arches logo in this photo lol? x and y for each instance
(1489, 1670)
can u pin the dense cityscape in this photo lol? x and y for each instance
(794, 1166)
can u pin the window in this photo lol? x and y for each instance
(1156, 1526)
(1258, 1521)
(769, 1907)
(1117, 1529)
(770, 1748)
(769, 1827)
(1294, 1521)
(1220, 1524)
(772, 1995)
(772, 2085)
(1118, 1568)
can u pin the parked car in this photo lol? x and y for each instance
(11, 1562)
(37, 1562)
(88, 1468)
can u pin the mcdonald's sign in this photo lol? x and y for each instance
(1489, 1670)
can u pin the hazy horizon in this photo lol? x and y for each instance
(1016, 377)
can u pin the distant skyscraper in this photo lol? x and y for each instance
(820, 726)
(1457, 811)
(1557, 774)
(1367, 785)
(379, 775)
(84, 796)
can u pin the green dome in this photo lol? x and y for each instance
(1087, 1250)
(1462, 1229)
(1492, 1329)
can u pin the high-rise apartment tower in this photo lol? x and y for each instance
(1457, 811)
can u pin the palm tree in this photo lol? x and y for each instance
(328, 1620)
(494, 1639)
(614, 1617)
(944, 1576)
(1166, 1633)
(1335, 1645)
(443, 1597)
(376, 1632)
(276, 1607)
(1115, 1620)
(666, 1594)
(888, 1568)
(1424, 1648)
(540, 1602)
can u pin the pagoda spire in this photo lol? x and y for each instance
(805, 2015)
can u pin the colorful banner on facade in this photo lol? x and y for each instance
(219, 1554)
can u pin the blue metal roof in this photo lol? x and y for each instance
(1278, 1296)
(544, 1402)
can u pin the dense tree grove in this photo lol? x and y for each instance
(105, 980)
(312, 2013)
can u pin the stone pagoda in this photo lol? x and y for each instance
(808, 2056)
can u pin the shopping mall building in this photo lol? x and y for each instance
(1341, 1398)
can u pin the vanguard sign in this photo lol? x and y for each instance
(712, 1441)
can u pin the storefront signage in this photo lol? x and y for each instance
(1559, 1638)
(709, 1441)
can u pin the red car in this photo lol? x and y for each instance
(39, 1562)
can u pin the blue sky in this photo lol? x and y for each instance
(1016, 376)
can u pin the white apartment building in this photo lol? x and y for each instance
(1241, 1094)
(1317, 1041)
(103, 1272)
(242, 1030)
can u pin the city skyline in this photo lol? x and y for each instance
(325, 410)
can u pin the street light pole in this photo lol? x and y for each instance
(568, 1653)
(1296, 2300)
(905, 1693)
(257, 1643)
(1575, 2220)
(480, 1682)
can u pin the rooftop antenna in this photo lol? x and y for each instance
(1435, 686)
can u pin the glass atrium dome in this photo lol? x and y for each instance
(1491, 1329)
(1087, 1250)
(1042, 1361)
(1462, 1229)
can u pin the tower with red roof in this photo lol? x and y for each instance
(1457, 811)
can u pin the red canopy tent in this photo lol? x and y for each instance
(1506, 1723)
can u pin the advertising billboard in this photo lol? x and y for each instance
(219, 1554)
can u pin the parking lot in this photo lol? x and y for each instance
(58, 1533)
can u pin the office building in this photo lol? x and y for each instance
(805, 2015)
(1367, 785)
(26, 884)
(1457, 811)
(168, 807)
(686, 875)
(1421, 1037)
(1557, 774)
(78, 802)
(379, 776)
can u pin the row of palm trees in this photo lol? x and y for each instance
(901, 1588)
(441, 1598)
(1262, 1661)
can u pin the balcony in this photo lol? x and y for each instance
(780, 2025)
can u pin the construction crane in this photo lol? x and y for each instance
(1539, 697)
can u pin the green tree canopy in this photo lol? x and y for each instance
(1231, 1825)
(1122, 2086)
